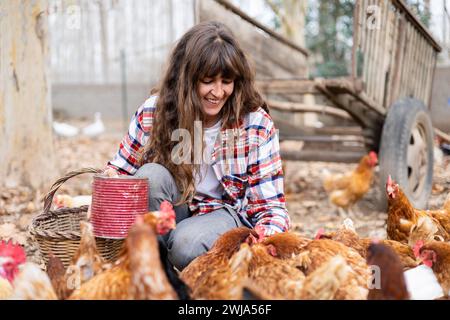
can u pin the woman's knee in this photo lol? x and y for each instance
(184, 246)
(161, 181)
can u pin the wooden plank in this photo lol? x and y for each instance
(416, 71)
(412, 65)
(370, 58)
(430, 62)
(392, 46)
(398, 60)
(299, 86)
(356, 37)
(419, 25)
(377, 49)
(404, 67)
(270, 32)
(426, 80)
(419, 66)
(323, 139)
(301, 107)
(442, 135)
(366, 114)
(432, 69)
(393, 60)
(416, 67)
(406, 63)
(422, 69)
(321, 155)
(374, 68)
(365, 48)
(383, 55)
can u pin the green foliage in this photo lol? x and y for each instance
(420, 10)
(329, 32)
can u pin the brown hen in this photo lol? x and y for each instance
(286, 244)
(389, 280)
(276, 278)
(436, 254)
(325, 282)
(318, 252)
(117, 283)
(225, 283)
(348, 236)
(56, 273)
(212, 270)
(85, 264)
(345, 190)
(402, 216)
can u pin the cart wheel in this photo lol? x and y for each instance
(406, 151)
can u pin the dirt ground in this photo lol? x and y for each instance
(308, 203)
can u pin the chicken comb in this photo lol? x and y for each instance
(15, 251)
(165, 206)
(389, 180)
(319, 234)
(416, 250)
(166, 210)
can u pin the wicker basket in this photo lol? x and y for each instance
(58, 231)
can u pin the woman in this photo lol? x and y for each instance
(208, 88)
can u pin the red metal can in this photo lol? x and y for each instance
(116, 202)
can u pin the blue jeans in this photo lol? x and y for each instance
(194, 235)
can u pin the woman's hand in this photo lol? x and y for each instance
(258, 237)
(110, 172)
(261, 232)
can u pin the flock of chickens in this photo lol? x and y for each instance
(335, 265)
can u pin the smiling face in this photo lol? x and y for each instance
(213, 93)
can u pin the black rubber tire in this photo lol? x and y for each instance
(403, 117)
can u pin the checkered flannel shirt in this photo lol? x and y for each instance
(246, 161)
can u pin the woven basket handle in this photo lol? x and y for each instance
(48, 198)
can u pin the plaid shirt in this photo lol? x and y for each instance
(246, 161)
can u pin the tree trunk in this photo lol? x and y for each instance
(26, 146)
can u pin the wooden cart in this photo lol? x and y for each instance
(388, 95)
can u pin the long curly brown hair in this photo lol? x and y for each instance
(208, 49)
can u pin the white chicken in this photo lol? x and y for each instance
(65, 130)
(96, 128)
(66, 201)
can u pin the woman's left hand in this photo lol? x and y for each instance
(258, 238)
